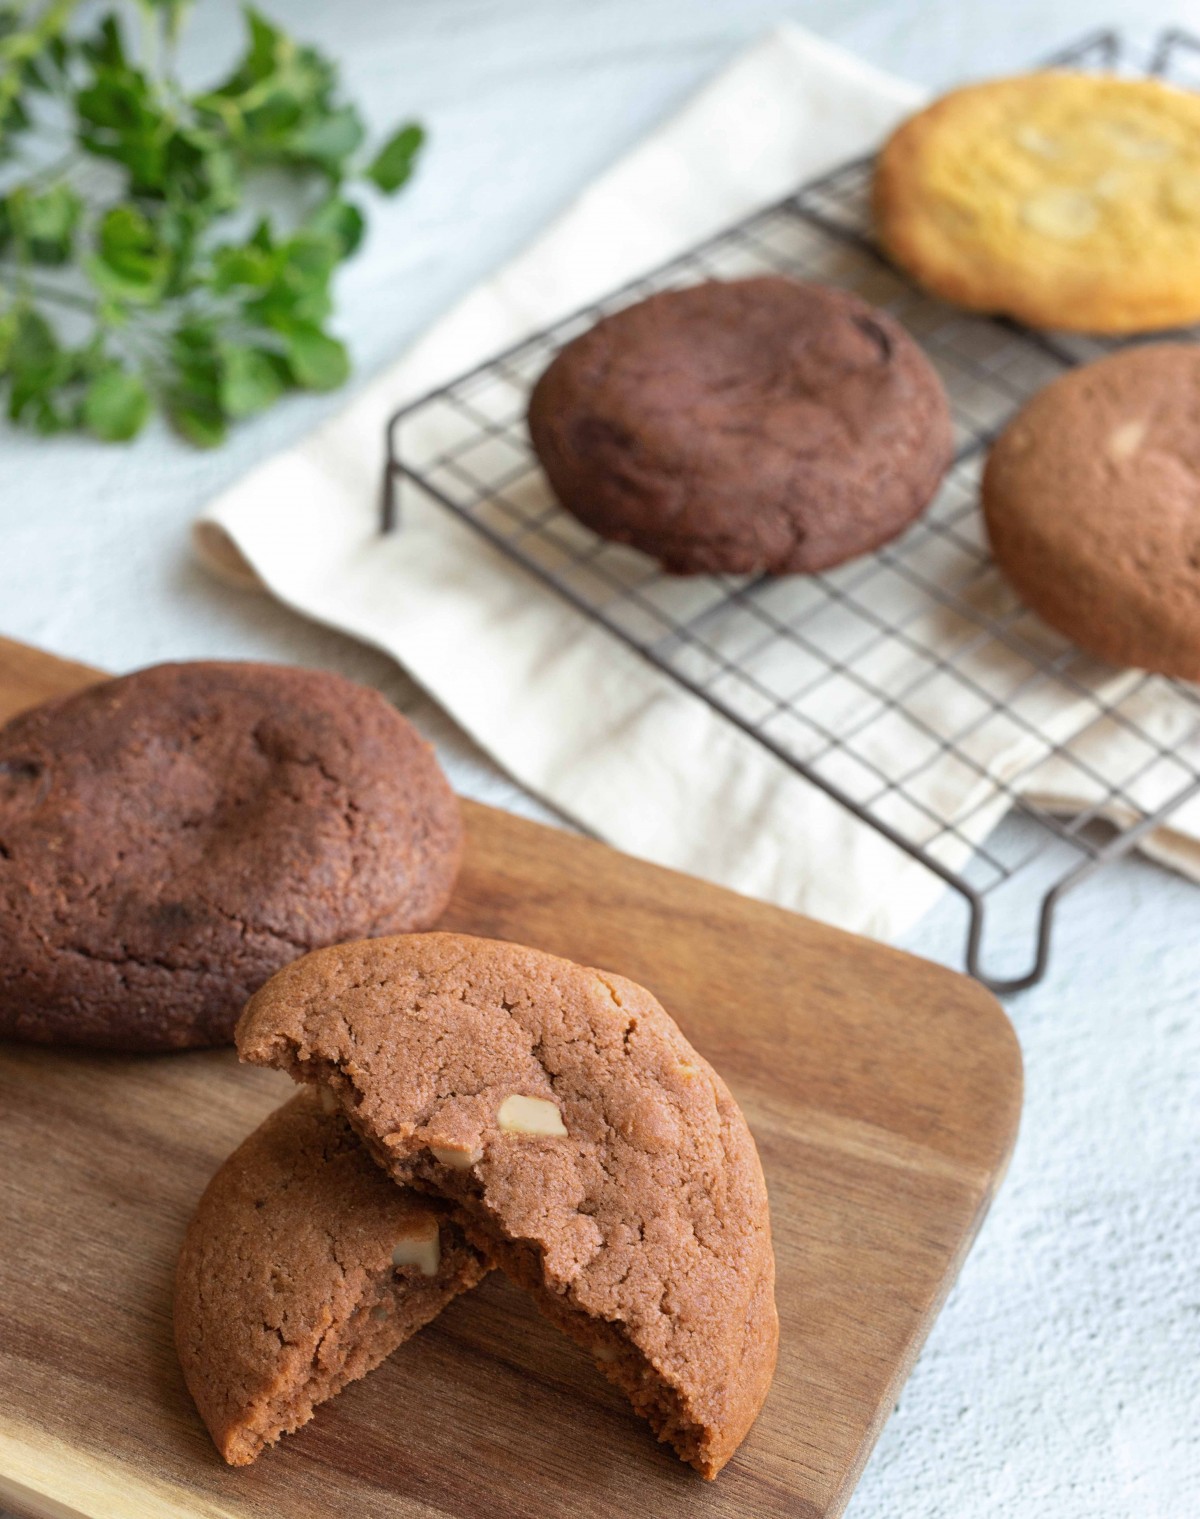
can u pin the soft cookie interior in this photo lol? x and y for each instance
(304, 1267)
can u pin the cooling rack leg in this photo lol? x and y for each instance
(1005, 986)
(389, 497)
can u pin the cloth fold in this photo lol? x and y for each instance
(567, 709)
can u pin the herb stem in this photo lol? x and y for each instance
(30, 287)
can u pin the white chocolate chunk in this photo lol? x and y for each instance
(423, 1249)
(1039, 143)
(457, 1157)
(1130, 142)
(530, 1115)
(1063, 215)
(329, 1103)
(1114, 183)
(1124, 441)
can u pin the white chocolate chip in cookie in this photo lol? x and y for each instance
(1131, 142)
(1063, 215)
(530, 1115)
(329, 1103)
(457, 1157)
(1041, 144)
(1114, 183)
(1124, 441)
(423, 1249)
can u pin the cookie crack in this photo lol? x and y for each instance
(245, 927)
(125, 958)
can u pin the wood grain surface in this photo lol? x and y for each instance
(884, 1094)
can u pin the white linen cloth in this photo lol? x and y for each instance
(572, 714)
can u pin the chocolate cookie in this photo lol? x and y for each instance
(762, 425)
(1092, 502)
(169, 839)
(584, 1146)
(304, 1268)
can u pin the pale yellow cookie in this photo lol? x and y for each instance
(1064, 200)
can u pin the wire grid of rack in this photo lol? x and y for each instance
(919, 649)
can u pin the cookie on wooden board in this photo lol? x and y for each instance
(171, 838)
(1092, 501)
(1062, 199)
(584, 1146)
(760, 425)
(303, 1268)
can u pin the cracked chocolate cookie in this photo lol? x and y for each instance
(303, 1269)
(171, 838)
(1092, 501)
(762, 425)
(583, 1145)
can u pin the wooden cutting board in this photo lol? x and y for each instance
(883, 1092)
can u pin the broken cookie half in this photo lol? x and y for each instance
(582, 1145)
(303, 1268)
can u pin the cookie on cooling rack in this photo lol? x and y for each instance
(1065, 200)
(1092, 502)
(303, 1268)
(171, 838)
(582, 1145)
(760, 425)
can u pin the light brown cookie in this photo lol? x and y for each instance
(1062, 199)
(304, 1267)
(584, 1145)
(1092, 502)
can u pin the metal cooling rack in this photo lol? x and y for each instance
(829, 671)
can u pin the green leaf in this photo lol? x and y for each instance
(43, 223)
(339, 221)
(106, 47)
(131, 263)
(198, 421)
(8, 332)
(37, 366)
(194, 394)
(120, 118)
(298, 292)
(248, 266)
(251, 379)
(327, 140)
(394, 162)
(267, 49)
(35, 344)
(308, 262)
(318, 361)
(115, 404)
(200, 170)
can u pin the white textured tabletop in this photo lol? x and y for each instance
(1063, 1378)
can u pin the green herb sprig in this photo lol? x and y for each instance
(160, 248)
